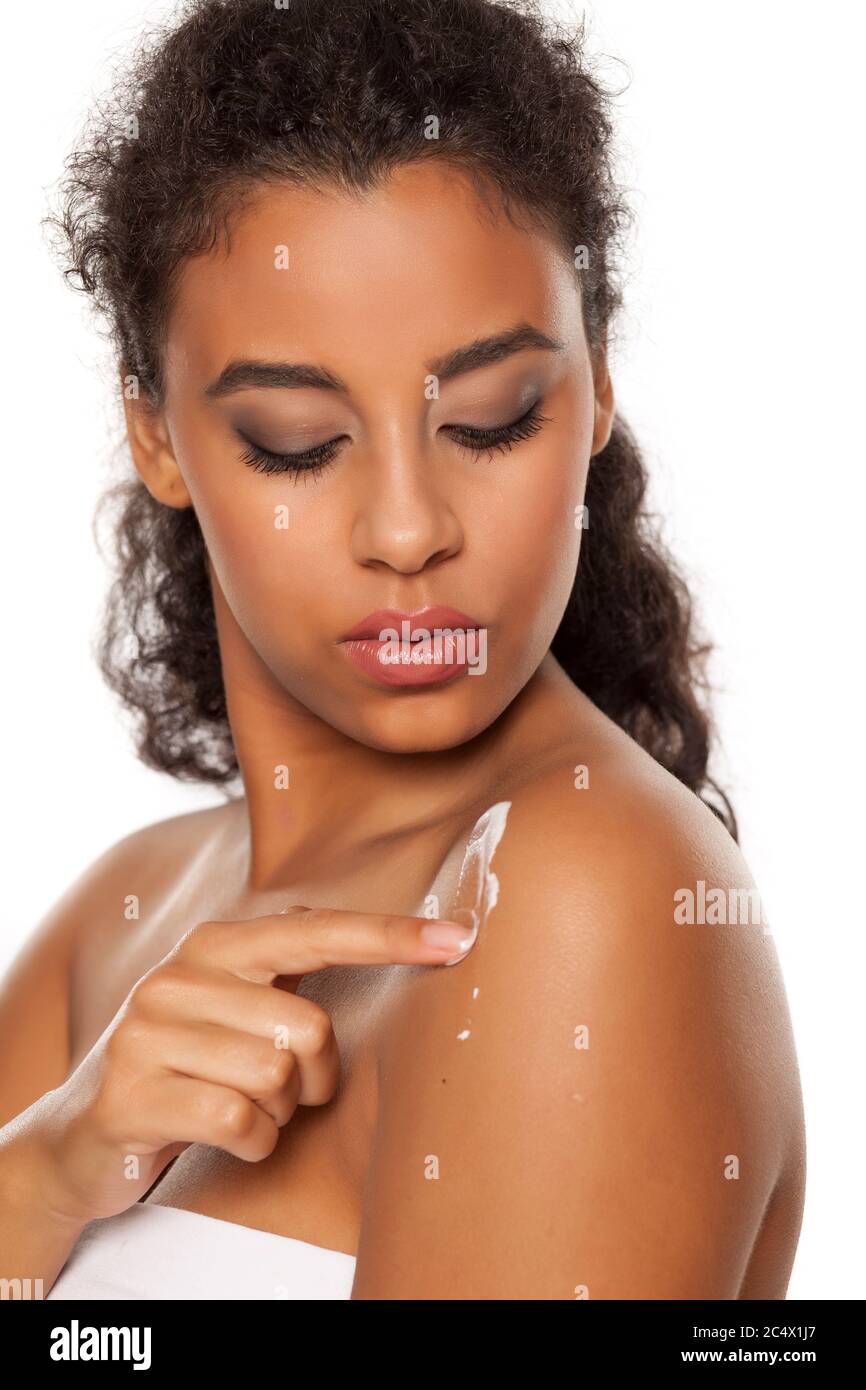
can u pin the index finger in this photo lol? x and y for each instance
(304, 939)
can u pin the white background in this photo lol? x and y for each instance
(740, 367)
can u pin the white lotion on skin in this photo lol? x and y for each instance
(478, 886)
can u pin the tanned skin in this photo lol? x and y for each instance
(663, 1157)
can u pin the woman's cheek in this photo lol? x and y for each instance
(253, 552)
(535, 544)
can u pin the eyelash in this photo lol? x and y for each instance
(478, 441)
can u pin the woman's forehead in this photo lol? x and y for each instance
(407, 269)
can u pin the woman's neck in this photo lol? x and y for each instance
(311, 789)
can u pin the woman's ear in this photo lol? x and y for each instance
(605, 406)
(151, 447)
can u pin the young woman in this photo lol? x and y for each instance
(359, 263)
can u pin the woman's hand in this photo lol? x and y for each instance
(205, 1050)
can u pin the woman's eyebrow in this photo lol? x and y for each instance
(241, 374)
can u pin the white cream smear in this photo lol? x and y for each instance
(478, 886)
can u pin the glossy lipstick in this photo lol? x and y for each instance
(427, 647)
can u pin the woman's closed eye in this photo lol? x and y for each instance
(477, 440)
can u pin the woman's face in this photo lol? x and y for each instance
(325, 330)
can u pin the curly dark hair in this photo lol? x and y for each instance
(236, 92)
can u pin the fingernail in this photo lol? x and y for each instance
(470, 932)
(447, 936)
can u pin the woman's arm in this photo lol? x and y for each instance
(598, 1100)
(36, 1236)
(36, 1232)
(34, 1011)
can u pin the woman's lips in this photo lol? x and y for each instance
(435, 615)
(430, 656)
(377, 659)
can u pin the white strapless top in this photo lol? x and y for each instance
(154, 1252)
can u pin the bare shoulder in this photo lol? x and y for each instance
(135, 872)
(62, 985)
(123, 906)
(37, 1004)
(604, 1092)
(157, 848)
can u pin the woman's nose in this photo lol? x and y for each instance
(403, 518)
